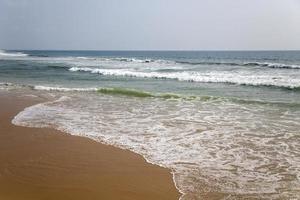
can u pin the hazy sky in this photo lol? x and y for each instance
(150, 24)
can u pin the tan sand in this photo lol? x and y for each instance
(45, 164)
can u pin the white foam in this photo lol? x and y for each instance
(267, 74)
(10, 86)
(84, 58)
(276, 65)
(63, 89)
(210, 146)
(242, 78)
(11, 54)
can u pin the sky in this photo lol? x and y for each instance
(150, 24)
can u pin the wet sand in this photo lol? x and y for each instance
(45, 164)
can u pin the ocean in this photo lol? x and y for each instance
(222, 121)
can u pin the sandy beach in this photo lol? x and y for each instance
(38, 163)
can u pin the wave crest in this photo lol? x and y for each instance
(253, 64)
(205, 77)
(4, 53)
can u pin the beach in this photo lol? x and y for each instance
(43, 163)
(90, 124)
(134, 100)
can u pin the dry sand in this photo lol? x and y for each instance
(40, 164)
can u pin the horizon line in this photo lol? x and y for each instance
(141, 50)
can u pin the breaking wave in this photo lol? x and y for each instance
(253, 64)
(164, 61)
(12, 54)
(204, 77)
(131, 92)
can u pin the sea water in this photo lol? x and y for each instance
(224, 122)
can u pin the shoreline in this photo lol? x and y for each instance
(42, 163)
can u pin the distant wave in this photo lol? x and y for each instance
(162, 61)
(12, 54)
(42, 56)
(254, 64)
(58, 67)
(132, 60)
(86, 60)
(211, 77)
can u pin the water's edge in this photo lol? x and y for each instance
(101, 142)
